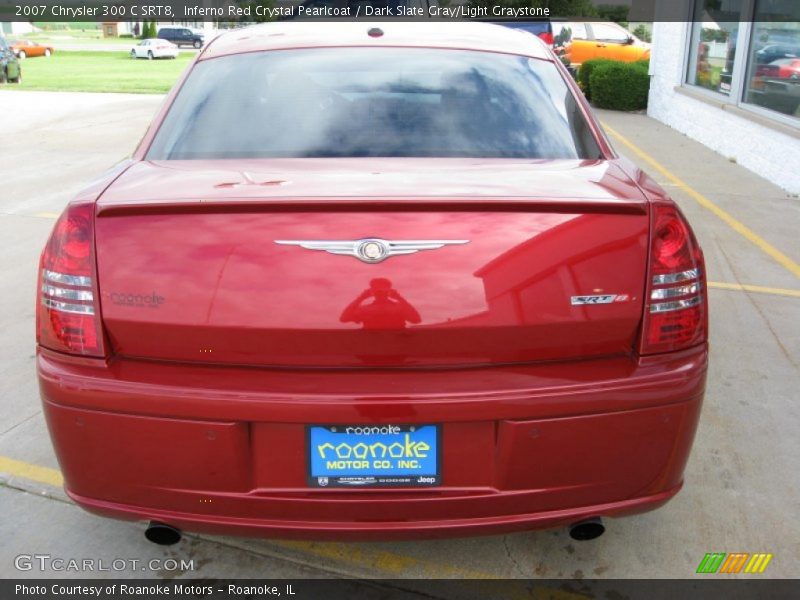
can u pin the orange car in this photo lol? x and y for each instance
(587, 40)
(26, 48)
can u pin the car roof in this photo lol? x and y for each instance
(308, 34)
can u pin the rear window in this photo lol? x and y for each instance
(377, 102)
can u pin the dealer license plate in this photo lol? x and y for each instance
(373, 455)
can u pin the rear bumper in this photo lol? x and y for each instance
(222, 450)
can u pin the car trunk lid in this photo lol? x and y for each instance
(549, 264)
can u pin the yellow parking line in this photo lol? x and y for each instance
(758, 289)
(379, 560)
(363, 557)
(23, 470)
(47, 215)
(729, 219)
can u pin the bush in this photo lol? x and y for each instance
(620, 86)
(585, 72)
(643, 33)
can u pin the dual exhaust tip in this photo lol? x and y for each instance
(166, 535)
(588, 529)
(162, 534)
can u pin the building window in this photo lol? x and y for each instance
(773, 61)
(712, 50)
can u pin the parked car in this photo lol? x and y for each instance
(584, 41)
(783, 68)
(10, 69)
(773, 52)
(777, 86)
(542, 28)
(334, 9)
(181, 36)
(26, 48)
(154, 48)
(428, 299)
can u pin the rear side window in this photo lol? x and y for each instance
(377, 102)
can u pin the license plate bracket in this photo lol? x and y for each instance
(370, 456)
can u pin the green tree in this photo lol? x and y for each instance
(614, 12)
(643, 33)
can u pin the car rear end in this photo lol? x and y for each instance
(372, 346)
(165, 49)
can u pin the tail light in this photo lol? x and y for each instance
(676, 307)
(548, 38)
(767, 71)
(68, 315)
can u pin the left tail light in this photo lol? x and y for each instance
(548, 38)
(68, 311)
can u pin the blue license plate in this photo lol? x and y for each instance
(373, 455)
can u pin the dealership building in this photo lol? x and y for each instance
(729, 77)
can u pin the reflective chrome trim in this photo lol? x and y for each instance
(674, 292)
(78, 280)
(663, 307)
(79, 309)
(676, 277)
(371, 250)
(67, 294)
(595, 299)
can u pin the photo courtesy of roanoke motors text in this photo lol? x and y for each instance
(400, 299)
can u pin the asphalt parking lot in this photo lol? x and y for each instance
(742, 490)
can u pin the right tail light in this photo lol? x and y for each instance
(676, 305)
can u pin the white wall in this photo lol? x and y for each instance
(18, 28)
(769, 153)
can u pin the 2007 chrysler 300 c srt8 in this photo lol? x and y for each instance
(372, 281)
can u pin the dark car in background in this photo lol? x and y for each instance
(772, 52)
(10, 69)
(327, 9)
(181, 36)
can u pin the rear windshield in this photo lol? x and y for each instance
(378, 102)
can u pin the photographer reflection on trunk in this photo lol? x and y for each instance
(388, 310)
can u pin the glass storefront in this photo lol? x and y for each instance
(773, 62)
(748, 52)
(712, 55)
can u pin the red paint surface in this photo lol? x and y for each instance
(197, 414)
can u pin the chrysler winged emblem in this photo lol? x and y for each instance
(371, 250)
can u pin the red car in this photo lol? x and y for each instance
(372, 281)
(784, 68)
